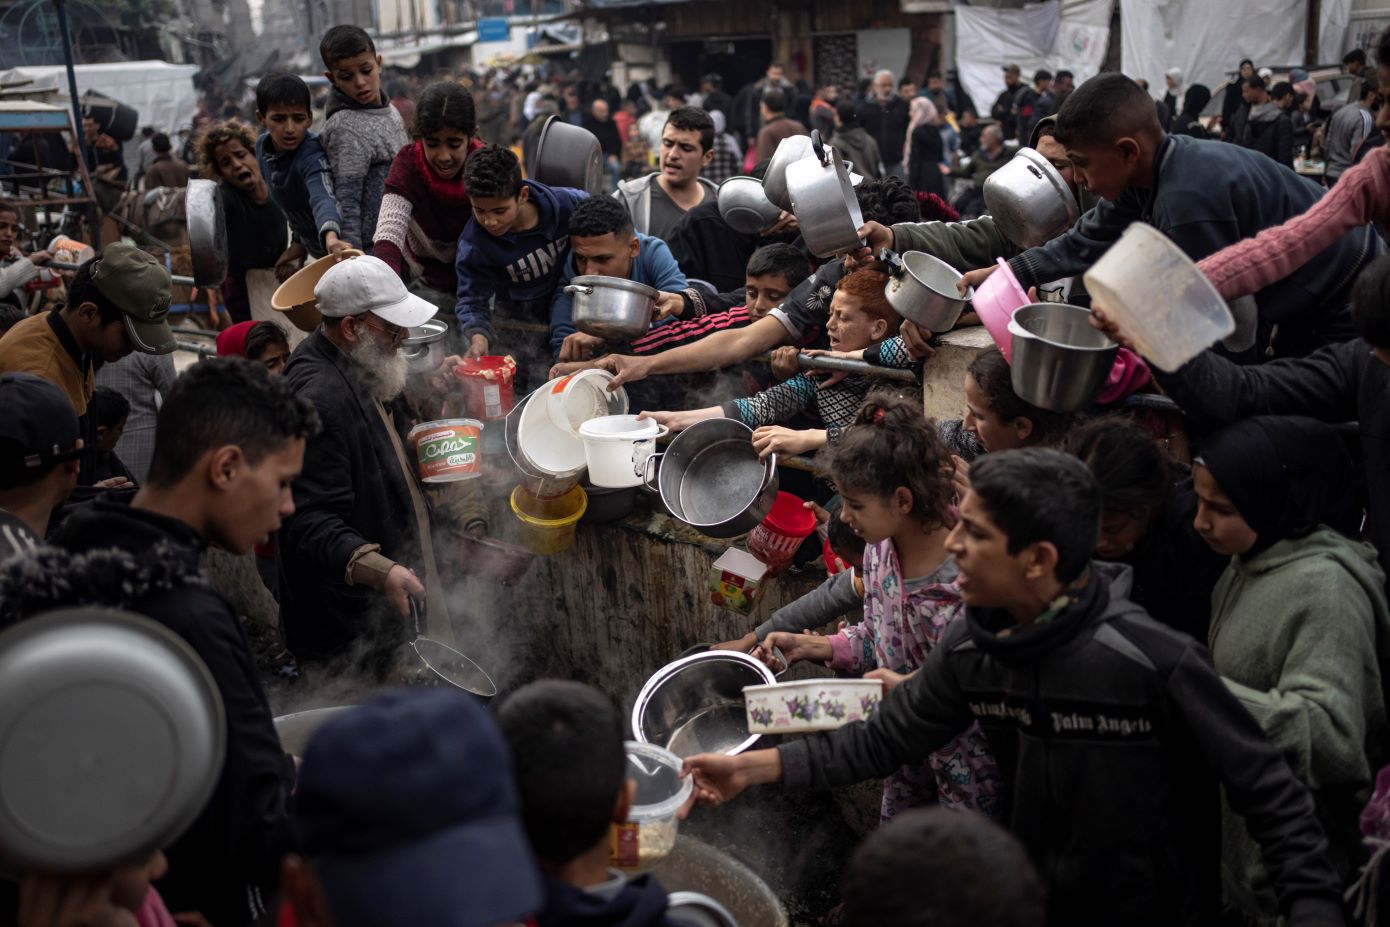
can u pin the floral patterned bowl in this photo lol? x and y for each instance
(810, 704)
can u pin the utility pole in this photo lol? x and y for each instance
(1312, 33)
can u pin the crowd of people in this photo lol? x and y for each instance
(1135, 663)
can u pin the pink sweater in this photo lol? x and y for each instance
(1361, 195)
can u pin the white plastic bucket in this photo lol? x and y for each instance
(617, 448)
(573, 400)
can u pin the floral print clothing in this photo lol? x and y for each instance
(903, 620)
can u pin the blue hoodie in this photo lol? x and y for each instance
(301, 184)
(654, 265)
(521, 267)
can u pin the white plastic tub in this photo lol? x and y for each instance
(810, 704)
(1158, 297)
(649, 834)
(617, 448)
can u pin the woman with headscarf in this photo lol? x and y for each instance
(1233, 100)
(922, 151)
(1172, 97)
(1189, 121)
(1299, 625)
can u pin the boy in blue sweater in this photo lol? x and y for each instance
(293, 163)
(513, 249)
(603, 243)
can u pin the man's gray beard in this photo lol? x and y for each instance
(383, 369)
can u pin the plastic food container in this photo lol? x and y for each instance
(649, 834)
(777, 537)
(487, 383)
(573, 400)
(737, 581)
(810, 704)
(547, 525)
(295, 297)
(1147, 285)
(617, 448)
(448, 450)
(995, 302)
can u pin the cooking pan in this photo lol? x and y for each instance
(711, 478)
(447, 664)
(824, 202)
(207, 232)
(569, 156)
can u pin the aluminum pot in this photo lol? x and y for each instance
(424, 346)
(745, 207)
(611, 308)
(710, 477)
(824, 202)
(569, 156)
(695, 866)
(695, 704)
(295, 730)
(922, 289)
(1029, 200)
(207, 231)
(1060, 362)
(789, 151)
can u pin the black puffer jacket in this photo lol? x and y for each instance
(350, 493)
(226, 865)
(1112, 733)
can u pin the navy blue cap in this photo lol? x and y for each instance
(38, 425)
(408, 810)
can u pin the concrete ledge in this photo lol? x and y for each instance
(943, 387)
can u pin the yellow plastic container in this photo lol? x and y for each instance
(547, 525)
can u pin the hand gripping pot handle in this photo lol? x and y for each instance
(573, 290)
(770, 475)
(894, 262)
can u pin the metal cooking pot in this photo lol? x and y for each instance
(695, 704)
(207, 232)
(695, 866)
(789, 151)
(711, 478)
(611, 308)
(922, 288)
(745, 207)
(1029, 200)
(824, 202)
(295, 730)
(1060, 362)
(569, 156)
(424, 347)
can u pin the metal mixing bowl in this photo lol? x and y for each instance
(695, 704)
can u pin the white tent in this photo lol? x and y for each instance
(162, 93)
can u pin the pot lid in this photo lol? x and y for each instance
(615, 283)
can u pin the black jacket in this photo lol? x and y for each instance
(1269, 129)
(1112, 734)
(1339, 383)
(887, 123)
(1002, 111)
(350, 493)
(706, 248)
(924, 162)
(226, 865)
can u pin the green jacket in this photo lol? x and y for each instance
(1296, 632)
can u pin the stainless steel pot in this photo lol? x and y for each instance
(569, 156)
(695, 704)
(922, 288)
(824, 202)
(295, 730)
(695, 866)
(789, 151)
(1029, 200)
(611, 308)
(745, 207)
(207, 232)
(1060, 362)
(711, 478)
(424, 347)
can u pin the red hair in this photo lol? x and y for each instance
(867, 287)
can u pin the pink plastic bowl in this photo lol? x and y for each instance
(995, 302)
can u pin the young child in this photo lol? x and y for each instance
(513, 249)
(15, 269)
(257, 238)
(362, 131)
(293, 162)
(1296, 621)
(860, 316)
(892, 472)
(426, 204)
(109, 411)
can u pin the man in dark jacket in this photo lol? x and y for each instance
(231, 438)
(885, 116)
(1114, 734)
(1268, 128)
(1002, 111)
(1033, 103)
(347, 556)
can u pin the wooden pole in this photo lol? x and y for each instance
(1311, 31)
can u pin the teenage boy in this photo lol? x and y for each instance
(231, 438)
(603, 243)
(39, 446)
(657, 201)
(362, 131)
(293, 162)
(514, 248)
(1202, 195)
(1112, 731)
(117, 303)
(567, 746)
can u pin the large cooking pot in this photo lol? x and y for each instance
(424, 348)
(207, 231)
(695, 704)
(823, 199)
(1060, 361)
(922, 288)
(1029, 200)
(569, 156)
(294, 730)
(695, 866)
(711, 478)
(611, 308)
(745, 207)
(789, 151)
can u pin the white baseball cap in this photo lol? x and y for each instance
(368, 284)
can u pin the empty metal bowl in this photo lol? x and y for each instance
(1060, 362)
(695, 704)
(745, 207)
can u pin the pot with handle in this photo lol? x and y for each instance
(710, 477)
(611, 308)
(824, 202)
(569, 156)
(789, 151)
(1029, 200)
(922, 289)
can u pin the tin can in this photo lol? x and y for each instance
(448, 450)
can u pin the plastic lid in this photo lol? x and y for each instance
(660, 789)
(790, 516)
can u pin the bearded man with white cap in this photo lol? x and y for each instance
(357, 554)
